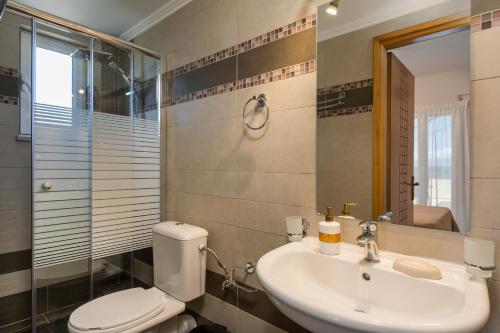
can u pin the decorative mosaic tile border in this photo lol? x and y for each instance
(485, 21)
(346, 86)
(272, 36)
(345, 111)
(9, 100)
(276, 75)
(8, 71)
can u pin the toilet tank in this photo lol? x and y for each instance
(179, 267)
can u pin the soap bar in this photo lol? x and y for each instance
(417, 269)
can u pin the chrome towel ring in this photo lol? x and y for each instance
(261, 103)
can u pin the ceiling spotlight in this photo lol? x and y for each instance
(333, 7)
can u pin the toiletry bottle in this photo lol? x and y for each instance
(329, 234)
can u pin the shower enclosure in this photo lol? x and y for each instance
(79, 172)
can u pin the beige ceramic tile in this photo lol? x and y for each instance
(485, 47)
(221, 239)
(216, 310)
(211, 108)
(268, 217)
(279, 188)
(206, 146)
(283, 146)
(485, 120)
(214, 183)
(251, 245)
(251, 324)
(215, 30)
(485, 196)
(297, 92)
(270, 15)
(15, 282)
(190, 206)
(422, 242)
(170, 146)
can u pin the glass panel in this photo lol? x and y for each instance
(15, 180)
(62, 177)
(125, 149)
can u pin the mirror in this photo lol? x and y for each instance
(393, 111)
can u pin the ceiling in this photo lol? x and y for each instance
(357, 14)
(114, 17)
(439, 55)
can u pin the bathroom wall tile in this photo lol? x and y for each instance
(170, 146)
(485, 46)
(250, 246)
(300, 92)
(216, 107)
(206, 146)
(356, 148)
(267, 217)
(15, 230)
(484, 128)
(482, 6)
(492, 235)
(9, 86)
(15, 200)
(190, 206)
(251, 324)
(15, 178)
(485, 211)
(294, 49)
(494, 322)
(283, 146)
(214, 183)
(219, 29)
(216, 311)
(281, 12)
(143, 272)
(9, 115)
(213, 75)
(279, 188)
(15, 282)
(422, 242)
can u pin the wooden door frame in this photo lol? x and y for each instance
(381, 45)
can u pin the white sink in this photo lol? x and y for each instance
(329, 294)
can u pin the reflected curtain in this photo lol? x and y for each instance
(441, 158)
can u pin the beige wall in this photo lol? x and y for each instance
(441, 87)
(241, 186)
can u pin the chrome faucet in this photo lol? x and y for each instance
(367, 240)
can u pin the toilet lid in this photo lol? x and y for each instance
(123, 308)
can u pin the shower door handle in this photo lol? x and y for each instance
(47, 186)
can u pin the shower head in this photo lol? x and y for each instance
(3, 5)
(113, 65)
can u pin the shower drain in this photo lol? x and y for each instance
(366, 276)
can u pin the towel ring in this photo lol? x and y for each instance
(261, 102)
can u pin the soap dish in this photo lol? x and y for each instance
(417, 269)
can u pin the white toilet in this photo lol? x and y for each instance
(179, 276)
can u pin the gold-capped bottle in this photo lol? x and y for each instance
(329, 234)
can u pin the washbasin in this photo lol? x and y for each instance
(344, 294)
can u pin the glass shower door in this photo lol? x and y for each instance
(62, 157)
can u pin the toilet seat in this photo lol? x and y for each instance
(124, 310)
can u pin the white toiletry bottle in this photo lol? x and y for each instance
(329, 234)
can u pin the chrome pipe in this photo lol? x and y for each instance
(35, 13)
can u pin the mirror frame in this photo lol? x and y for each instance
(381, 45)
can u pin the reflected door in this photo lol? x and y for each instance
(401, 117)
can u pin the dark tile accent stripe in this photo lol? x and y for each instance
(483, 6)
(209, 76)
(15, 261)
(145, 255)
(275, 75)
(8, 71)
(257, 304)
(485, 20)
(358, 99)
(285, 52)
(269, 37)
(9, 86)
(9, 100)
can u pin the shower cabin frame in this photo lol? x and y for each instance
(40, 16)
